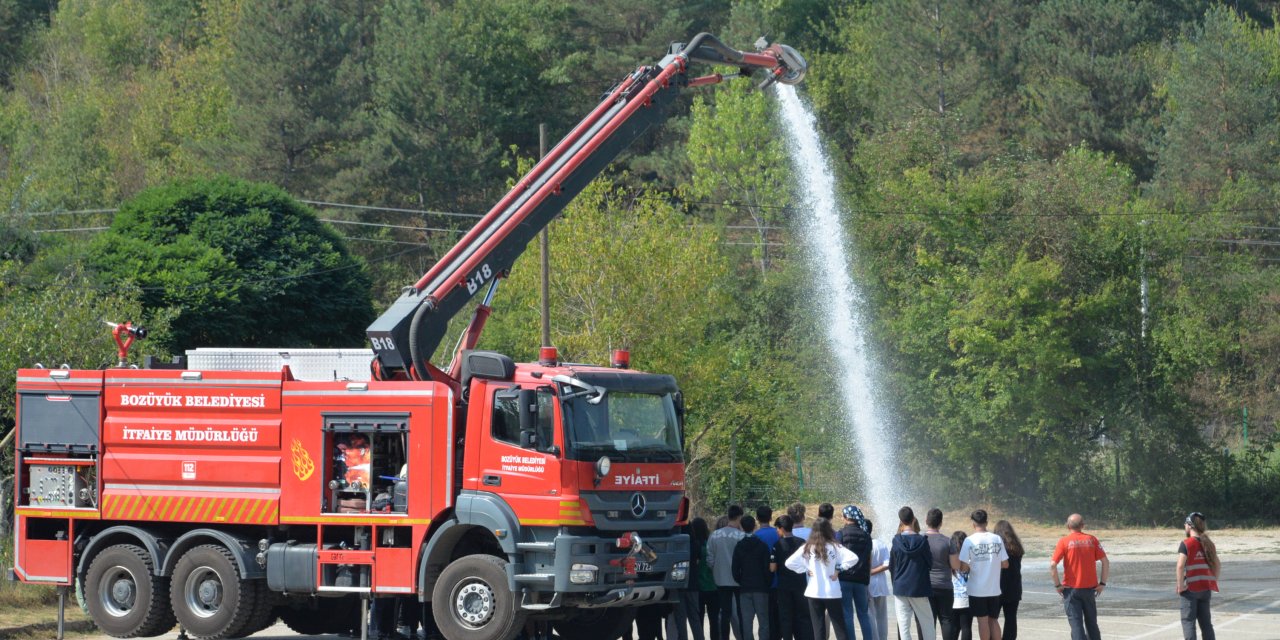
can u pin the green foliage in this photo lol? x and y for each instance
(298, 73)
(433, 144)
(243, 264)
(732, 162)
(60, 321)
(1064, 213)
(19, 19)
(1089, 76)
(1221, 106)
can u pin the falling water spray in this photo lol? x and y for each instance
(840, 304)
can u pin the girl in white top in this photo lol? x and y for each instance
(879, 590)
(822, 559)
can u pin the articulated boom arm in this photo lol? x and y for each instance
(406, 335)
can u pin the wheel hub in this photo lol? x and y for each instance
(117, 592)
(122, 592)
(203, 592)
(210, 593)
(474, 604)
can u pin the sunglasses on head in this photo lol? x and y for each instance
(1194, 514)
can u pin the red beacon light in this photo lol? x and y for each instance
(621, 359)
(548, 356)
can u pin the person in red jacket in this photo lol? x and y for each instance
(1197, 574)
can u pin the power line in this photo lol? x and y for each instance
(347, 205)
(1239, 241)
(785, 208)
(70, 230)
(36, 214)
(385, 241)
(389, 226)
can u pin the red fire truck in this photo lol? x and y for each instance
(242, 486)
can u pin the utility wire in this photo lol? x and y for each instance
(390, 226)
(347, 205)
(70, 230)
(788, 208)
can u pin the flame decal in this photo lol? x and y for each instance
(303, 467)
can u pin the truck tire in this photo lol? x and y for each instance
(209, 598)
(332, 615)
(124, 598)
(472, 601)
(264, 609)
(596, 624)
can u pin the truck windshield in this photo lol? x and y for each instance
(627, 426)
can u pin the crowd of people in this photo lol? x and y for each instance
(761, 578)
(787, 581)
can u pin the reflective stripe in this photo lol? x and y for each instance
(425, 393)
(61, 381)
(32, 578)
(164, 487)
(450, 461)
(275, 382)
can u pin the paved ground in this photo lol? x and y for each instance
(1139, 603)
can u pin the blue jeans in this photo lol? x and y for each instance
(854, 596)
(1081, 606)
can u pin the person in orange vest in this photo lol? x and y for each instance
(1197, 573)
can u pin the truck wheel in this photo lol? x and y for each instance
(80, 597)
(122, 595)
(264, 611)
(329, 615)
(471, 600)
(596, 624)
(208, 596)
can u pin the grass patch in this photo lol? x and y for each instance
(30, 611)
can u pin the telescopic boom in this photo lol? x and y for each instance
(407, 333)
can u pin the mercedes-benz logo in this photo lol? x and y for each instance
(638, 505)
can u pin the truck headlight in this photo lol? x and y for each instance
(583, 573)
(680, 572)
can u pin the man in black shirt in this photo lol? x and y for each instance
(751, 572)
(793, 610)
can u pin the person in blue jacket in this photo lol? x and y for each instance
(909, 564)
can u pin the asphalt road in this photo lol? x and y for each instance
(1139, 603)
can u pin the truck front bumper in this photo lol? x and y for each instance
(590, 571)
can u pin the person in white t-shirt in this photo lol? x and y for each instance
(983, 555)
(879, 588)
(822, 559)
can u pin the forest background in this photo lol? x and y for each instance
(1065, 214)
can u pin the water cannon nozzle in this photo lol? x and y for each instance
(792, 66)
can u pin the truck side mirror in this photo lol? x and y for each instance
(528, 411)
